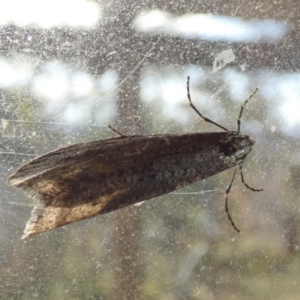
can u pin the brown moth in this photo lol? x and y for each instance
(84, 180)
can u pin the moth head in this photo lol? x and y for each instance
(237, 145)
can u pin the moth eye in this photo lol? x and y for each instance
(228, 149)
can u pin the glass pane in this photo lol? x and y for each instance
(68, 69)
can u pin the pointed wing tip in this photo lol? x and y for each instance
(38, 222)
(10, 180)
(29, 230)
(14, 180)
(25, 235)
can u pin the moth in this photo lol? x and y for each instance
(87, 179)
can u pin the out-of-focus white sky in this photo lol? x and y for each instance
(56, 84)
(50, 13)
(210, 27)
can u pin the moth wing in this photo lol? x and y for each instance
(103, 151)
(111, 154)
(69, 205)
(84, 180)
(156, 178)
(45, 217)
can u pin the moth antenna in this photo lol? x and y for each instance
(116, 131)
(197, 111)
(242, 109)
(226, 202)
(245, 184)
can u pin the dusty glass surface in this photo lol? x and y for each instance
(69, 69)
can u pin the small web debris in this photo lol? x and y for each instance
(222, 59)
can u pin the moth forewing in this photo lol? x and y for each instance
(72, 187)
(84, 180)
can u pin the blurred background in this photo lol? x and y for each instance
(68, 69)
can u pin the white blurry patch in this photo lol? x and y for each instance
(108, 81)
(173, 93)
(82, 84)
(290, 109)
(239, 84)
(50, 13)
(223, 59)
(8, 74)
(282, 91)
(73, 96)
(168, 91)
(15, 72)
(52, 84)
(210, 27)
(76, 114)
(154, 20)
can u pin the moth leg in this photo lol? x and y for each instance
(245, 184)
(226, 202)
(197, 111)
(116, 131)
(242, 109)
